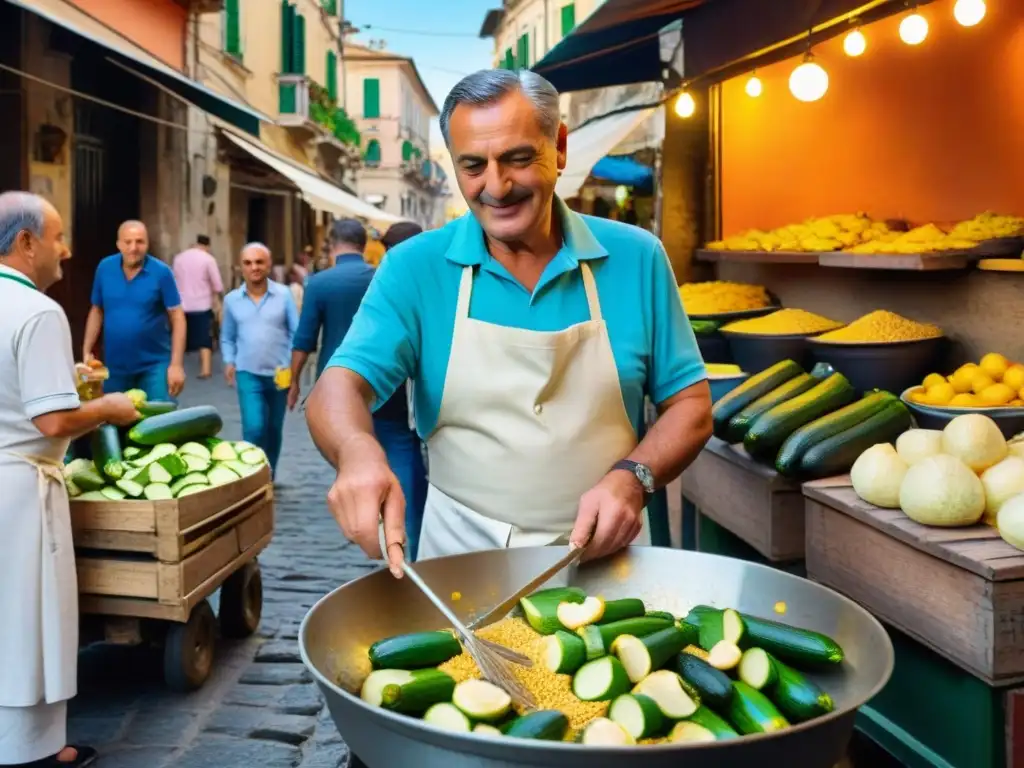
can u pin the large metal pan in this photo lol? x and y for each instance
(339, 629)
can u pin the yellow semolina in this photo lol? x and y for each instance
(882, 326)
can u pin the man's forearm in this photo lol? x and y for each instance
(93, 325)
(677, 437)
(299, 359)
(72, 424)
(177, 336)
(338, 415)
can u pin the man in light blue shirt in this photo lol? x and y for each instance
(533, 335)
(260, 319)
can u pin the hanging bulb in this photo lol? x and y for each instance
(809, 81)
(855, 43)
(754, 87)
(685, 105)
(969, 12)
(914, 29)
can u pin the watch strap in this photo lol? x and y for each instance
(632, 467)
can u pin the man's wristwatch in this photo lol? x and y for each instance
(640, 471)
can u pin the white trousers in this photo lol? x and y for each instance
(32, 733)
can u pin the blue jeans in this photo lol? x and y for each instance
(263, 407)
(152, 381)
(402, 447)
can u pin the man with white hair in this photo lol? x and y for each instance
(40, 413)
(260, 319)
(533, 336)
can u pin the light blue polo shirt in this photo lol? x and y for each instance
(404, 326)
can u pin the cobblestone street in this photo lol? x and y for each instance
(260, 708)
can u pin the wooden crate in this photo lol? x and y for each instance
(752, 501)
(169, 530)
(959, 591)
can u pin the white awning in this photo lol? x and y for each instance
(593, 141)
(320, 194)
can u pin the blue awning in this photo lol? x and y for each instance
(123, 50)
(618, 44)
(623, 170)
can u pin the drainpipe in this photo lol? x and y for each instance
(547, 36)
(341, 55)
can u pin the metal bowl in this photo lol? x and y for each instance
(739, 314)
(756, 352)
(337, 632)
(1009, 420)
(890, 366)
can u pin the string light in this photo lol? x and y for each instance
(809, 81)
(854, 44)
(685, 105)
(914, 29)
(969, 12)
(754, 87)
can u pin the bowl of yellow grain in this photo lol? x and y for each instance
(758, 343)
(881, 350)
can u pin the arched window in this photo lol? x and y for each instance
(372, 154)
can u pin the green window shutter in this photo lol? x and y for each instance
(300, 48)
(332, 76)
(287, 35)
(330, 6)
(232, 28)
(371, 97)
(568, 18)
(510, 59)
(407, 151)
(372, 154)
(523, 54)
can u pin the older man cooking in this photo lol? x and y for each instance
(40, 413)
(533, 335)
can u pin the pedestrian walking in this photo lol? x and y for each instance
(40, 412)
(259, 322)
(331, 300)
(198, 278)
(136, 305)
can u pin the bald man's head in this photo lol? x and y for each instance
(132, 242)
(256, 264)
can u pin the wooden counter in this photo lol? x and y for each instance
(752, 501)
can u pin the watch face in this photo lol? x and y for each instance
(645, 477)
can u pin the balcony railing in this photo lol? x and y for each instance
(304, 103)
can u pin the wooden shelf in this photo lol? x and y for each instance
(758, 257)
(908, 262)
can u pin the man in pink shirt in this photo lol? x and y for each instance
(200, 286)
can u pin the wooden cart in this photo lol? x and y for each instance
(146, 569)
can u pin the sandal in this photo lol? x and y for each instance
(86, 756)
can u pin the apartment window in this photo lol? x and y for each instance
(232, 28)
(371, 97)
(523, 54)
(510, 60)
(408, 150)
(293, 40)
(568, 18)
(332, 75)
(372, 155)
(330, 7)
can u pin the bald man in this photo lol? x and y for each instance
(135, 302)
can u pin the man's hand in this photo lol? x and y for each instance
(119, 410)
(364, 491)
(175, 379)
(229, 375)
(610, 515)
(294, 392)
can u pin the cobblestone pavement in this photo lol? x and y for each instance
(260, 708)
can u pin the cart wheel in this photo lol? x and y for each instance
(188, 650)
(241, 601)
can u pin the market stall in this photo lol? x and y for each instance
(863, 277)
(164, 514)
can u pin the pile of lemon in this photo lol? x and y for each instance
(992, 382)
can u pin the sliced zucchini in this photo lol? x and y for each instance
(676, 699)
(564, 652)
(639, 715)
(547, 724)
(724, 625)
(221, 475)
(373, 686)
(88, 480)
(689, 732)
(575, 615)
(133, 472)
(626, 608)
(174, 464)
(241, 446)
(193, 478)
(600, 680)
(224, 451)
(132, 452)
(131, 488)
(153, 473)
(752, 712)
(156, 453)
(254, 456)
(713, 685)
(756, 669)
(541, 608)
(445, 715)
(157, 492)
(641, 656)
(111, 493)
(73, 490)
(415, 650)
(240, 469)
(78, 465)
(421, 691)
(639, 627)
(603, 732)
(725, 655)
(196, 463)
(482, 700)
(690, 631)
(696, 650)
(710, 720)
(189, 490)
(93, 496)
(195, 449)
(486, 729)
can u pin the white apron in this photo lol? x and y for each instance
(529, 422)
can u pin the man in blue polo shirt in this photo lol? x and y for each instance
(533, 335)
(135, 303)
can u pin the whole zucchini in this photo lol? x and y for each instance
(772, 427)
(415, 650)
(836, 455)
(199, 422)
(714, 685)
(756, 386)
(740, 423)
(156, 407)
(106, 451)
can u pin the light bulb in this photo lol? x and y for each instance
(809, 81)
(855, 43)
(685, 105)
(914, 29)
(754, 87)
(969, 12)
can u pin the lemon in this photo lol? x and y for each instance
(940, 394)
(996, 394)
(1014, 376)
(918, 396)
(935, 378)
(964, 401)
(995, 365)
(961, 378)
(981, 381)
